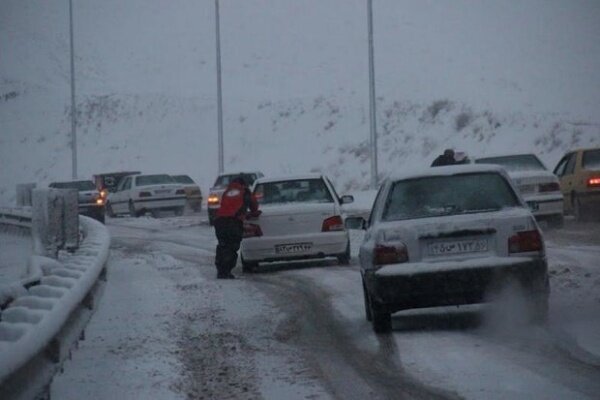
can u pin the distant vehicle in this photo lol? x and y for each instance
(216, 191)
(539, 187)
(579, 174)
(138, 194)
(447, 236)
(91, 203)
(301, 219)
(193, 193)
(107, 182)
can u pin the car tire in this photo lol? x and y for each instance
(249, 267)
(344, 258)
(382, 321)
(132, 211)
(109, 210)
(155, 213)
(368, 314)
(179, 211)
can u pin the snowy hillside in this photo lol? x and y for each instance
(488, 77)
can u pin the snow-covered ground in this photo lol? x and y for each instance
(167, 329)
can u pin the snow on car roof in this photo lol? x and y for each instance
(495, 155)
(289, 178)
(447, 171)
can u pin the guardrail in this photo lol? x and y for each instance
(39, 327)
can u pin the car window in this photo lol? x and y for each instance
(127, 184)
(375, 204)
(79, 185)
(121, 185)
(448, 195)
(294, 191)
(333, 189)
(591, 159)
(524, 162)
(570, 168)
(560, 167)
(183, 179)
(146, 180)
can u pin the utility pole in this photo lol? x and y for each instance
(372, 105)
(219, 95)
(73, 110)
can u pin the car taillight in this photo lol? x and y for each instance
(594, 182)
(213, 199)
(252, 230)
(549, 187)
(333, 224)
(525, 241)
(180, 191)
(390, 254)
(145, 194)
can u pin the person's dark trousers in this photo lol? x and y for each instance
(229, 233)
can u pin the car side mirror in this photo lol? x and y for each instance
(355, 223)
(347, 199)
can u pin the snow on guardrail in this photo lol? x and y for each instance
(31, 322)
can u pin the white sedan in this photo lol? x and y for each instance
(301, 219)
(138, 194)
(449, 236)
(539, 187)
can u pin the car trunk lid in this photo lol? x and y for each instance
(294, 219)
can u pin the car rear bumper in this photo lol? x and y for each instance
(294, 246)
(453, 284)
(546, 205)
(153, 204)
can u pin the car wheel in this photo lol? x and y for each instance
(344, 259)
(155, 213)
(179, 211)
(249, 267)
(109, 210)
(368, 314)
(132, 210)
(382, 321)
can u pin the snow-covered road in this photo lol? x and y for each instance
(167, 329)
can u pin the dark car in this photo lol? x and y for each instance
(91, 202)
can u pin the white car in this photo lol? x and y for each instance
(138, 194)
(301, 218)
(539, 187)
(447, 236)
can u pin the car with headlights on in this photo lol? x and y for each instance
(193, 193)
(448, 236)
(579, 174)
(137, 194)
(539, 187)
(90, 200)
(301, 219)
(213, 202)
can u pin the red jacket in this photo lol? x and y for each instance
(236, 201)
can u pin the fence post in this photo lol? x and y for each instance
(24, 194)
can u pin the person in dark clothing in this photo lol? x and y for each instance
(444, 159)
(236, 203)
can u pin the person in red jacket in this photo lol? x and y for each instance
(236, 203)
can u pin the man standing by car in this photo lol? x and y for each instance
(229, 224)
(444, 159)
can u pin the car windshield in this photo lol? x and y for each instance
(525, 162)
(448, 195)
(79, 185)
(591, 159)
(224, 180)
(145, 180)
(183, 179)
(293, 191)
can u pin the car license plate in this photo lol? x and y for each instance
(162, 191)
(458, 247)
(292, 248)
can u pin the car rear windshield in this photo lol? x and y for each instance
(183, 179)
(145, 180)
(79, 185)
(448, 195)
(591, 159)
(293, 191)
(526, 162)
(224, 180)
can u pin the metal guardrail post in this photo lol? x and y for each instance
(24, 194)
